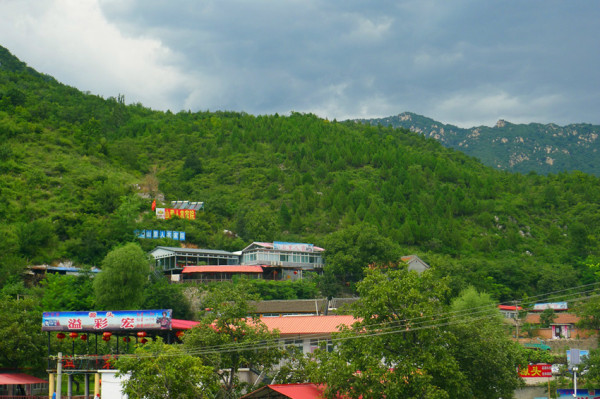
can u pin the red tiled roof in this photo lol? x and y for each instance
(20, 378)
(177, 324)
(293, 391)
(222, 269)
(561, 318)
(298, 391)
(508, 307)
(290, 325)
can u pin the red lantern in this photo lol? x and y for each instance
(83, 337)
(126, 339)
(105, 338)
(73, 335)
(107, 334)
(144, 340)
(60, 336)
(141, 334)
(179, 334)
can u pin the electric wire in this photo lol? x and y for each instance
(390, 327)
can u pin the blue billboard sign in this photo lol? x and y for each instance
(156, 234)
(98, 321)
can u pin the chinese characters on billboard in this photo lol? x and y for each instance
(118, 320)
(293, 246)
(155, 234)
(536, 370)
(168, 213)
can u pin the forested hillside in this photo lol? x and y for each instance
(79, 172)
(515, 147)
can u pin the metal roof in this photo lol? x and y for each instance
(178, 324)
(223, 269)
(269, 245)
(290, 306)
(179, 250)
(20, 378)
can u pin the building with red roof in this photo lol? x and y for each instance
(13, 384)
(283, 391)
(308, 332)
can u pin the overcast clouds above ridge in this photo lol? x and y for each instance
(463, 62)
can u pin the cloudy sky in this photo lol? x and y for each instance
(465, 62)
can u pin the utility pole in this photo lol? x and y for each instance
(59, 376)
(517, 319)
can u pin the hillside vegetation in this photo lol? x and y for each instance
(78, 174)
(520, 148)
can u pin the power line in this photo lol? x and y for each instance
(391, 327)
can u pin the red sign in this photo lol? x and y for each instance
(536, 370)
(181, 213)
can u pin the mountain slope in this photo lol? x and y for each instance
(78, 174)
(516, 147)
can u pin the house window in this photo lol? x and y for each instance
(318, 343)
(294, 342)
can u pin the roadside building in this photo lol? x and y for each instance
(283, 260)
(172, 260)
(564, 326)
(509, 311)
(285, 391)
(300, 307)
(20, 385)
(415, 263)
(278, 260)
(307, 332)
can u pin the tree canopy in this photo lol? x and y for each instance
(407, 337)
(156, 371)
(120, 285)
(227, 339)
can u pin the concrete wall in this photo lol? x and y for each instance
(531, 393)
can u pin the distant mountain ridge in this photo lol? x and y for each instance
(515, 147)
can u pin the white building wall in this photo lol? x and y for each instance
(111, 385)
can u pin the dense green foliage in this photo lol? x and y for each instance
(78, 174)
(227, 339)
(155, 372)
(407, 343)
(22, 343)
(125, 270)
(515, 147)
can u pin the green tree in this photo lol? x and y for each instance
(120, 284)
(407, 343)
(159, 294)
(351, 250)
(547, 317)
(22, 343)
(154, 371)
(227, 339)
(64, 292)
(482, 348)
